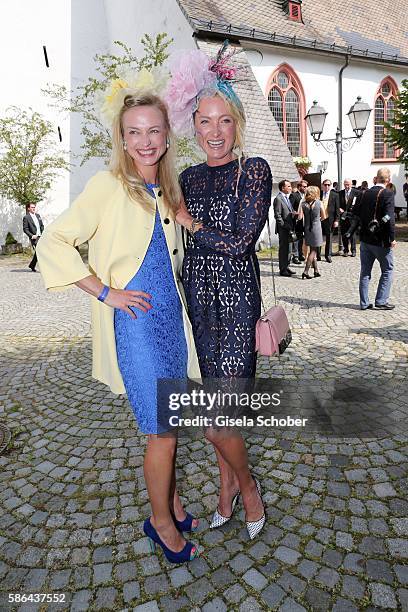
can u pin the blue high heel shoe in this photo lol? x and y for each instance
(186, 524)
(188, 553)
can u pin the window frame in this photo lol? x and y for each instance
(294, 83)
(388, 80)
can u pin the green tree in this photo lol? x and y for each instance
(96, 138)
(397, 129)
(29, 158)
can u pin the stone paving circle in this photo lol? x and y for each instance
(73, 496)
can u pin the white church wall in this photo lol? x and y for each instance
(89, 36)
(358, 162)
(73, 31)
(24, 28)
(96, 25)
(148, 16)
(319, 77)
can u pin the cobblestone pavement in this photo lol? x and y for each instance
(72, 493)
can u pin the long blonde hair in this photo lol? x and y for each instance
(123, 167)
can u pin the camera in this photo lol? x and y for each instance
(374, 226)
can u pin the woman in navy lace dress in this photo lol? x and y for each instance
(218, 277)
(227, 201)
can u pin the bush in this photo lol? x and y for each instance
(10, 239)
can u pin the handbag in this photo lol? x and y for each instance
(293, 237)
(272, 331)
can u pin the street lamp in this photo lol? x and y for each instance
(323, 166)
(358, 114)
(315, 119)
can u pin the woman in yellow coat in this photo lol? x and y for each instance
(140, 328)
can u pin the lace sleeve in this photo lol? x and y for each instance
(254, 203)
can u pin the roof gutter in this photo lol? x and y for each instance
(203, 28)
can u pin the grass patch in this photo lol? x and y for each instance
(265, 253)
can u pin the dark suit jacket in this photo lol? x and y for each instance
(295, 198)
(354, 193)
(333, 207)
(405, 191)
(364, 213)
(29, 227)
(283, 215)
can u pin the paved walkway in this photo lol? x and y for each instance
(72, 494)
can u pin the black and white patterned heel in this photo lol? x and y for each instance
(254, 527)
(218, 519)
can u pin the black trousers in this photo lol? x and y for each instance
(33, 262)
(349, 244)
(328, 234)
(284, 249)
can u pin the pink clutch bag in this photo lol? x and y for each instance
(272, 332)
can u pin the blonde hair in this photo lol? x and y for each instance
(238, 114)
(123, 167)
(383, 175)
(312, 193)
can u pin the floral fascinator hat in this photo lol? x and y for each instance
(195, 75)
(129, 83)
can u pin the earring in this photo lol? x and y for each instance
(125, 145)
(167, 143)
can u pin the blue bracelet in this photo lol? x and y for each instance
(104, 293)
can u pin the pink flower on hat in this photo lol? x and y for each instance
(191, 74)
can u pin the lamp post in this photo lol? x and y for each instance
(358, 115)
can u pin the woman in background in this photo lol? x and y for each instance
(312, 214)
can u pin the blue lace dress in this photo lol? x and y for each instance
(153, 345)
(218, 276)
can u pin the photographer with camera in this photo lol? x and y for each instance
(285, 226)
(374, 213)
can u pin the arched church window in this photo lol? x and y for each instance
(287, 103)
(384, 106)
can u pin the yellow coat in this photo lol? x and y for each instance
(119, 232)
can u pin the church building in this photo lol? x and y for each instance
(295, 52)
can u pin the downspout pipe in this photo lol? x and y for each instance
(339, 134)
(339, 140)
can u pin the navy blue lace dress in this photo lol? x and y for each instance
(218, 277)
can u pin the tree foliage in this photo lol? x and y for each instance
(397, 129)
(96, 138)
(30, 160)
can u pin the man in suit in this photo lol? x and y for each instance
(348, 197)
(296, 197)
(33, 227)
(331, 207)
(376, 204)
(284, 215)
